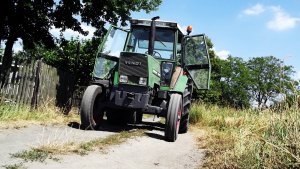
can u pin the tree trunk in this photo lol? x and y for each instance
(259, 100)
(7, 59)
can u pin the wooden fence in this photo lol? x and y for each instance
(37, 83)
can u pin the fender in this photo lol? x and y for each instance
(180, 84)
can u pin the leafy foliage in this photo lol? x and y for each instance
(74, 56)
(32, 20)
(234, 82)
(237, 83)
(269, 78)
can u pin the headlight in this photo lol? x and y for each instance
(143, 81)
(123, 79)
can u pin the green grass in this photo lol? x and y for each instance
(32, 155)
(248, 138)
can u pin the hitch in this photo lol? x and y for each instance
(130, 95)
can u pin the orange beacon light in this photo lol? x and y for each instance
(189, 29)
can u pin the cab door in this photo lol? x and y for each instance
(196, 60)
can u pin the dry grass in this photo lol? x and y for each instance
(83, 148)
(20, 116)
(248, 139)
(49, 150)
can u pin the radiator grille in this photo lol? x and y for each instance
(133, 64)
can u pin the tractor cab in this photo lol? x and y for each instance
(169, 46)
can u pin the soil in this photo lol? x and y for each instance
(150, 151)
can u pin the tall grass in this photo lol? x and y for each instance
(248, 138)
(19, 116)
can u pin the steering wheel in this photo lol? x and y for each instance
(155, 54)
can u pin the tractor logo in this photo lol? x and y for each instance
(133, 63)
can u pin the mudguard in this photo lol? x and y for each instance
(180, 84)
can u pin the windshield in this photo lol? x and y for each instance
(163, 45)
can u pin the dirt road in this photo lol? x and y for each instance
(150, 151)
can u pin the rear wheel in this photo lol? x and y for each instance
(92, 107)
(187, 97)
(173, 117)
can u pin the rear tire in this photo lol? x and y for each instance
(173, 117)
(187, 97)
(92, 107)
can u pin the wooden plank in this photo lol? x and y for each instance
(28, 83)
(32, 80)
(21, 85)
(15, 83)
(35, 92)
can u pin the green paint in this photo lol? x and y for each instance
(154, 72)
(165, 88)
(116, 78)
(180, 84)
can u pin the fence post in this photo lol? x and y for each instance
(34, 99)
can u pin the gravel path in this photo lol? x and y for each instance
(150, 151)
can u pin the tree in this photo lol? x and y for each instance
(31, 20)
(234, 83)
(75, 56)
(269, 77)
(25, 19)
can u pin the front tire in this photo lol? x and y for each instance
(92, 107)
(173, 117)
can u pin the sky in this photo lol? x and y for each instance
(244, 28)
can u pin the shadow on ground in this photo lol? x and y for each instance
(145, 125)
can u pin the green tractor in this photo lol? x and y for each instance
(149, 69)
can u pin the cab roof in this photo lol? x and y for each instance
(159, 23)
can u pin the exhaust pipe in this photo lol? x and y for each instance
(152, 36)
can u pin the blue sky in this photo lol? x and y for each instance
(244, 28)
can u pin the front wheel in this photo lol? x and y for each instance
(173, 117)
(92, 107)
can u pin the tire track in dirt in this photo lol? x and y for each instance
(150, 151)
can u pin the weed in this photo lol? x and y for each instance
(43, 152)
(246, 138)
(19, 116)
(14, 166)
(103, 143)
(32, 155)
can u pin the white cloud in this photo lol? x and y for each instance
(68, 33)
(281, 20)
(223, 54)
(254, 10)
